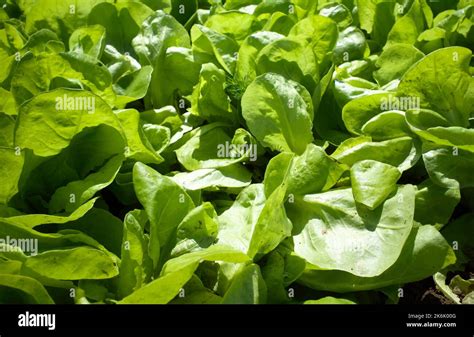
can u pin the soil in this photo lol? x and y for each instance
(425, 291)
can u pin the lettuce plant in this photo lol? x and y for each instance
(235, 151)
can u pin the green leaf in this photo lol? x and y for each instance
(246, 66)
(408, 27)
(34, 289)
(15, 37)
(152, 41)
(8, 61)
(459, 285)
(48, 241)
(102, 226)
(273, 274)
(424, 253)
(458, 233)
(333, 232)
(435, 204)
(469, 298)
(194, 292)
(136, 267)
(321, 33)
(11, 165)
(48, 122)
(291, 59)
(197, 230)
(440, 280)
(133, 86)
(387, 125)
(351, 45)
(175, 74)
(233, 176)
(62, 17)
(7, 102)
(165, 203)
(248, 287)
(44, 41)
(33, 220)
(236, 4)
(151, 45)
(255, 225)
(88, 40)
(279, 113)
(448, 165)
(161, 290)
(139, 146)
(7, 128)
(432, 127)
(394, 61)
(235, 24)
(312, 172)
(211, 46)
(377, 21)
(121, 20)
(443, 83)
(337, 12)
(305, 8)
(45, 72)
(372, 182)
(400, 152)
(74, 194)
(279, 23)
(329, 300)
(87, 152)
(271, 6)
(74, 264)
(211, 147)
(358, 112)
(209, 99)
(177, 272)
(216, 252)
(350, 88)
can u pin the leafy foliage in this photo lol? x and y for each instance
(235, 151)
